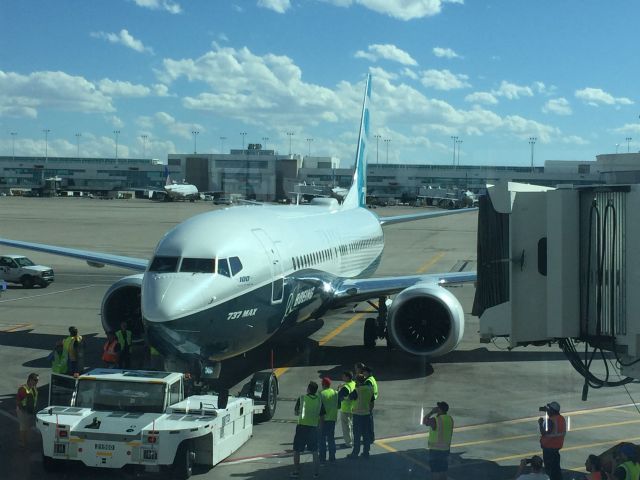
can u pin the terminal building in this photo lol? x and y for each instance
(264, 175)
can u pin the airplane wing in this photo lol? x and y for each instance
(95, 259)
(419, 216)
(359, 289)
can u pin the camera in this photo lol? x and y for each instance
(542, 409)
(527, 461)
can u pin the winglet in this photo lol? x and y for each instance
(357, 195)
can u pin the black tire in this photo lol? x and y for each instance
(44, 284)
(27, 281)
(370, 333)
(183, 463)
(269, 395)
(50, 465)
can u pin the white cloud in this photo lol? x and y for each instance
(481, 97)
(444, 80)
(180, 129)
(378, 72)
(166, 5)
(445, 53)
(387, 52)
(115, 121)
(123, 89)
(24, 95)
(628, 128)
(123, 38)
(407, 72)
(597, 96)
(574, 140)
(160, 89)
(512, 91)
(559, 106)
(400, 9)
(279, 6)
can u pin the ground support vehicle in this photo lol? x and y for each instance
(19, 269)
(111, 418)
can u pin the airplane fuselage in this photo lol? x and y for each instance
(224, 282)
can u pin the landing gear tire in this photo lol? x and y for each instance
(264, 389)
(370, 333)
(183, 463)
(27, 281)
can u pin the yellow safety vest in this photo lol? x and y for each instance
(440, 438)
(59, 362)
(310, 406)
(329, 399)
(29, 402)
(374, 385)
(121, 339)
(67, 345)
(632, 470)
(153, 351)
(347, 404)
(362, 404)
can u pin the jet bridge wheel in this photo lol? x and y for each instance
(264, 390)
(370, 332)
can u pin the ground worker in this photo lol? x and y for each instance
(628, 467)
(308, 409)
(26, 404)
(371, 380)
(155, 361)
(58, 359)
(74, 349)
(329, 398)
(346, 417)
(125, 338)
(362, 396)
(111, 351)
(439, 442)
(553, 429)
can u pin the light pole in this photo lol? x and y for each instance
(117, 134)
(243, 134)
(458, 161)
(265, 140)
(290, 134)
(46, 144)
(387, 140)
(628, 139)
(222, 139)
(195, 134)
(309, 140)
(377, 137)
(455, 140)
(617, 145)
(144, 145)
(13, 144)
(78, 135)
(532, 142)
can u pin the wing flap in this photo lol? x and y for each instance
(92, 258)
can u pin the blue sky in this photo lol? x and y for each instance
(492, 73)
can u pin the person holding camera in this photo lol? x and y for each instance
(536, 469)
(553, 429)
(439, 442)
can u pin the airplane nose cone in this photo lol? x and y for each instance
(166, 297)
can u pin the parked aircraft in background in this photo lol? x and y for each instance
(223, 282)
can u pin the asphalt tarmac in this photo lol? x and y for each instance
(494, 394)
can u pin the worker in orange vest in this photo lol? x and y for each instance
(111, 351)
(553, 429)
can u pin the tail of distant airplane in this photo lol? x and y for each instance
(357, 195)
(166, 175)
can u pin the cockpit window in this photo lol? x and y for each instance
(198, 265)
(164, 264)
(235, 264)
(223, 267)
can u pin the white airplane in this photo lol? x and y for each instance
(223, 282)
(178, 191)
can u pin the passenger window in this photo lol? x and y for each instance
(164, 264)
(235, 264)
(198, 265)
(174, 393)
(223, 267)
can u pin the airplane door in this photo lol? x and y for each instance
(277, 269)
(62, 390)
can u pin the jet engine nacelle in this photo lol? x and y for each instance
(426, 320)
(122, 303)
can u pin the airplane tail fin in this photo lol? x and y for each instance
(167, 177)
(357, 194)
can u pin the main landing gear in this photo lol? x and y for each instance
(376, 328)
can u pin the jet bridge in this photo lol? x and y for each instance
(562, 265)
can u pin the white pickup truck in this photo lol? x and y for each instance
(116, 418)
(19, 269)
